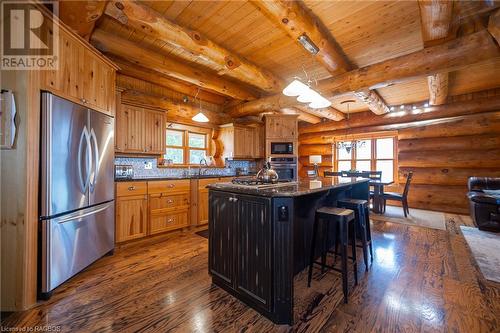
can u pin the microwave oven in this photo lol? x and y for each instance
(279, 148)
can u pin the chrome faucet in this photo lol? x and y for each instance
(203, 161)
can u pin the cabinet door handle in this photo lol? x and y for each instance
(170, 201)
(170, 220)
(235, 199)
(171, 185)
(131, 188)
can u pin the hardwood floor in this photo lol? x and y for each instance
(422, 280)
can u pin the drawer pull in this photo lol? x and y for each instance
(170, 201)
(171, 185)
(131, 188)
(170, 220)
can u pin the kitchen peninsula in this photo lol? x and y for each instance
(260, 237)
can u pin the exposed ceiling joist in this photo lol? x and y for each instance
(297, 21)
(494, 26)
(302, 116)
(373, 100)
(154, 24)
(128, 69)
(81, 16)
(436, 20)
(450, 56)
(109, 43)
(326, 113)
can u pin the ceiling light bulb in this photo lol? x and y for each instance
(200, 118)
(295, 88)
(426, 105)
(392, 108)
(414, 107)
(402, 107)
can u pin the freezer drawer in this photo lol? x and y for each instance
(73, 241)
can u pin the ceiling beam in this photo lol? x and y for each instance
(276, 102)
(81, 16)
(483, 102)
(109, 43)
(325, 113)
(436, 23)
(297, 20)
(494, 26)
(302, 116)
(147, 20)
(175, 108)
(450, 56)
(373, 100)
(130, 70)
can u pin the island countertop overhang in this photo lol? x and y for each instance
(300, 188)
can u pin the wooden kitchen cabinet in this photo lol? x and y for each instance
(84, 76)
(241, 142)
(200, 201)
(131, 217)
(281, 127)
(139, 130)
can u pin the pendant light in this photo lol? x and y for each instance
(348, 145)
(200, 117)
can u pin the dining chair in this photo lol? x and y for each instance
(332, 174)
(403, 197)
(361, 174)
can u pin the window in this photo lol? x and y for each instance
(184, 147)
(376, 154)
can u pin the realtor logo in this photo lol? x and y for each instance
(29, 38)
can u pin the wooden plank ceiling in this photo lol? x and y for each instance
(365, 32)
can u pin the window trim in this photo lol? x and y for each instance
(185, 146)
(373, 158)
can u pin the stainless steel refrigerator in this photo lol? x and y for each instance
(76, 191)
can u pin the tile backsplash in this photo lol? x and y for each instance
(139, 163)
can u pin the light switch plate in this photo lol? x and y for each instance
(148, 165)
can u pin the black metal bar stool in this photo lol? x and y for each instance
(362, 212)
(343, 220)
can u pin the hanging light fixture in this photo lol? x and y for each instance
(305, 94)
(200, 117)
(347, 145)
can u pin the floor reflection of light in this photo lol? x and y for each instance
(170, 299)
(199, 322)
(385, 257)
(396, 302)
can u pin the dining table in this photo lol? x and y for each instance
(378, 194)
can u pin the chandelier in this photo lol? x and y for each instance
(349, 145)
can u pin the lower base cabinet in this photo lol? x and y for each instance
(131, 217)
(239, 251)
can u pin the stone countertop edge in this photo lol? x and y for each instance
(302, 187)
(145, 179)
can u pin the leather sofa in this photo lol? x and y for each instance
(484, 208)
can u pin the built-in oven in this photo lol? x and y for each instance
(281, 148)
(285, 167)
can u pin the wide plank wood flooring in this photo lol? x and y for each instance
(422, 280)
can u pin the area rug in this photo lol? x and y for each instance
(485, 247)
(203, 233)
(417, 217)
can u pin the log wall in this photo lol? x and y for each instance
(441, 155)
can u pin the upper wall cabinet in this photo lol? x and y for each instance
(242, 142)
(139, 130)
(84, 76)
(281, 127)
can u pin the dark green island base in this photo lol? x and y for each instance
(259, 239)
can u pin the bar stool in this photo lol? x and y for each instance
(362, 212)
(343, 219)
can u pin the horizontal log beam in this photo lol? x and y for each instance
(297, 21)
(109, 43)
(174, 108)
(494, 26)
(450, 159)
(467, 142)
(318, 149)
(361, 119)
(154, 24)
(371, 98)
(81, 16)
(450, 56)
(445, 175)
(326, 113)
(478, 124)
(128, 70)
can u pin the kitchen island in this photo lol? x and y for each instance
(259, 237)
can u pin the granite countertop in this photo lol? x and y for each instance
(301, 187)
(139, 179)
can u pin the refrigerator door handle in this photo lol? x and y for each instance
(83, 213)
(88, 159)
(96, 164)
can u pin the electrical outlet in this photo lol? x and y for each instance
(148, 165)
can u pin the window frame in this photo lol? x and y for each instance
(373, 153)
(185, 146)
